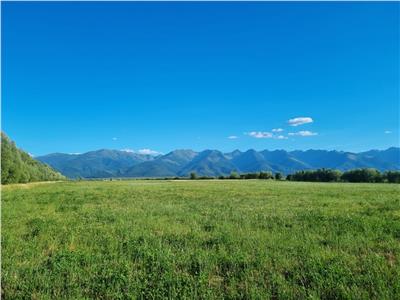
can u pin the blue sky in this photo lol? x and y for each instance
(83, 76)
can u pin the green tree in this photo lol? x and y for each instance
(392, 176)
(265, 175)
(18, 166)
(234, 175)
(362, 175)
(193, 175)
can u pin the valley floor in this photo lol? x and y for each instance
(247, 239)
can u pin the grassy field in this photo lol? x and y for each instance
(200, 240)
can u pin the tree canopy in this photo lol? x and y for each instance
(18, 166)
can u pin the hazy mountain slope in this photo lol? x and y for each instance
(389, 157)
(167, 165)
(284, 162)
(251, 161)
(346, 160)
(320, 158)
(208, 163)
(18, 166)
(113, 163)
(94, 164)
(232, 154)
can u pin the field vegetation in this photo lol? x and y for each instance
(200, 239)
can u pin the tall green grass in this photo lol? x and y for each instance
(200, 240)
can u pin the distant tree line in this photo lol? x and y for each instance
(236, 175)
(356, 175)
(19, 167)
(320, 175)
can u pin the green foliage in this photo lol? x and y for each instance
(232, 239)
(193, 175)
(356, 175)
(234, 175)
(320, 175)
(266, 175)
(250, 176)
(362, 175)
(392, 176)
(278, 176)
(18, 167)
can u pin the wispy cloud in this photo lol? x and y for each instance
(387, 132)
(303, 133)
(261, 134)
(114, 138)
(148, 152)
(277, 130)
(233, 137)
(300, 121)
(266, 135)
(142, 151)
(128, 150)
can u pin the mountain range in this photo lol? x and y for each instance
(116, 163)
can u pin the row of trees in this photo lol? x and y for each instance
(320, 175)
(236, 175)
(18, 167)
(356, 175)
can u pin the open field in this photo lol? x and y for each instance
(201, 239)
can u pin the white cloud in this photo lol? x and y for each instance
(261, 134)
(75, 153)
(114, 138)
(232, 137)
(128, 150)
(300, 121)
(277, 130)
(141, 151)
(303, 133)
(266, 135)
(30, 154)
(148, 152)
(387, 132)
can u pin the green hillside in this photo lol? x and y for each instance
(18, 166)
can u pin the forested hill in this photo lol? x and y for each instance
(18, 166)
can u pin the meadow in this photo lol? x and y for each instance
(211, 239)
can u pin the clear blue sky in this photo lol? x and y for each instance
(161, 76)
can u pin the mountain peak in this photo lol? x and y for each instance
(211, 162)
